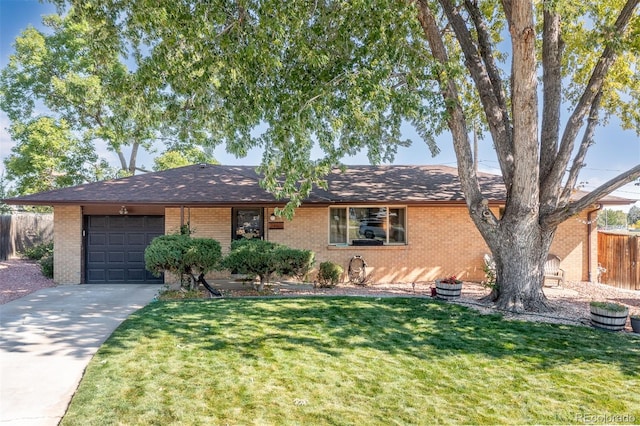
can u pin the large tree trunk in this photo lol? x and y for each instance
(520, 254)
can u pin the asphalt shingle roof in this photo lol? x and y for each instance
(226, 185)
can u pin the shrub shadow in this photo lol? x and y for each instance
(421, 328)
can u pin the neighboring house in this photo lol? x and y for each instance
(409, 223)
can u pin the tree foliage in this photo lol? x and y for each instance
(88, 100)
(329, 274)
(263, 259)
(92, 96)
(48, 156)
(609, 218)
(336, 77)
(4, 193)
(634, 215)
(183, 255)
(177, 157)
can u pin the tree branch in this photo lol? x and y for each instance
(591, 198)
(524, 193)
(486, 51)
(552, 92)
(133, 157)
(587, 141)
(456, 119)
(494, 110)
(574, 124)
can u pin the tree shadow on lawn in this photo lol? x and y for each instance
(422, 328)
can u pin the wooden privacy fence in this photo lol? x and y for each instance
(619, 255)
(23, 230)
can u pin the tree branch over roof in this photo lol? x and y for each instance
(592, 197)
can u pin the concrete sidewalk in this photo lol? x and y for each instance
(48, 337)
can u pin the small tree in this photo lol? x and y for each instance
(634, 215)
(264, 258)
(611, 218)
(183, 255)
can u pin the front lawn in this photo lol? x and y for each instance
(353, 361)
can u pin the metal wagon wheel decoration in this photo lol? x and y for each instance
(357, 270)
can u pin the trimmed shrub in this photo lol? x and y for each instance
(329, 274)
(293, 262)
(183, 255)
(260, 258)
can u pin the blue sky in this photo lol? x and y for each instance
(615, 150)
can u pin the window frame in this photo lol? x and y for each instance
(258, 225)
(347, 210)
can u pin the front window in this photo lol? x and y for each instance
(377, 225)
(247, 223)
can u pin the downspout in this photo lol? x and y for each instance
(589, 230)
(83, 247)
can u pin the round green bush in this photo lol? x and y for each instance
(329, 274)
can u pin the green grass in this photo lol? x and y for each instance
(352, 361)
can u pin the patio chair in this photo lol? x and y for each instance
(552, 270)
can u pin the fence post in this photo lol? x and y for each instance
(5, 236)
(634, 251)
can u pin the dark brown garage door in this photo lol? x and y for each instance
(115, 248)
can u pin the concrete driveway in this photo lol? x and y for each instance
(47, 339)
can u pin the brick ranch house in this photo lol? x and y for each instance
(409, 223)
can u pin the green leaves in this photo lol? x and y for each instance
(181, 254)
(47, 156)
(327, 79)
(173, 158)
(263, 258)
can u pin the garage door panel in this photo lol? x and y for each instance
(98, 222)
(115, 248)
(116, 239)
(96, 257)
(137, 238)
(99, 238)
(116, 275)
(136, 276)
(155, 222)
(135, 257)
(116, 257)
(120, 222)
(96, 275)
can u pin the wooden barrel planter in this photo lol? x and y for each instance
(608, 316)
(448, 291)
